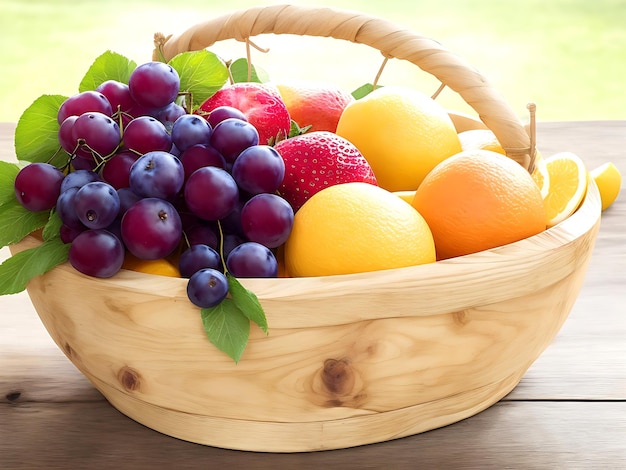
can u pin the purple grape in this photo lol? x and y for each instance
(118, 95)
(267, 219)
(198, 156)
(189, 130)
(96, 253)
(116, 170)
(146, 134)
(224, 112)
(201, 234)
(127, 199)
(232, 136)
(68, 143)
(67, 211)
(95, 133)
(38, 186)
(84, 102)
(231, 241)
(211, 193)
(90, 164)
(168, 115)
(259, 169)
(198, 257)
(68, 234)
(157, 174)
(251, 259)
(151, 228)
(207, 288)
(154, 84)
(78, 179)
(97, 204)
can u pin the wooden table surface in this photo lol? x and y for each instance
(568, 412)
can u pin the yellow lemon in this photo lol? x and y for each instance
(609, 181)
(567, 188)
(356, 227)
(480, 139)
(401, 132)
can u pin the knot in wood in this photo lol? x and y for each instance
(338, 376)
(129, 378)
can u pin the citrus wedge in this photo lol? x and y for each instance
(609, 181)
(567, 186)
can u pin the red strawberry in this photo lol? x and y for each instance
(316, 160)
(261, 104)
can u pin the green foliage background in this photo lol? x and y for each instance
(568, 56)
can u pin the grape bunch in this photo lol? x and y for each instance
(148, 179)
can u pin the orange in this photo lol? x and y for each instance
(477, 200)
(568, 186)
(401, 132)
(484, 139)
(313, 103)
(161, 267)
(356, 227)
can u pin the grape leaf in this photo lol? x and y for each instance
(227, 328)
(16, 222)
(16, 271)
(201, 73)
(239, 72)
(36, 134)
(108, 66)
(8, 172)
(247, 302)
(52, 227)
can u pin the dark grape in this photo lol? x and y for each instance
(97, 204)
(154, 84)
(146, 134)
(259, 169)
(116, 170)
(198, 156)
(127, 199)
(224, 112)
(151, 228)
(78, 179)
(68, 234)
(202, 234)
(267, 219)
(168, 115)
(38, 186)
(95, 133)
(67, 141)
(251, 259)
(211, 193)
(118, 95)
(232, 136)
(198, 257)
(96, 253)
(66, 209)
(84, 102)
(157, 174)
(207, 288)
(189, 130)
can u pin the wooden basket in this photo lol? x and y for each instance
(351, 359)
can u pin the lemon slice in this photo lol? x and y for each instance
(567, 186)
(541, 176)
(609, 181)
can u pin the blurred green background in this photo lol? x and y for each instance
(568, 56)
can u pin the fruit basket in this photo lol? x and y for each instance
(350, 359)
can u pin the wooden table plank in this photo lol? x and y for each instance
(530, 435)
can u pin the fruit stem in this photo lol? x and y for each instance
(221, 246)
(380, 72)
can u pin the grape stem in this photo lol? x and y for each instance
(221, 247)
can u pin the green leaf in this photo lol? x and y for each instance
(16, 222)
(20, 268)
(364, 90)
(108, 66)
(239, 72)
(227, 328)
(8, 172)
(247, 302)
(36, 134)
(52, 227)
(201, 73)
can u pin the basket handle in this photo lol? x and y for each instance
(390, 39)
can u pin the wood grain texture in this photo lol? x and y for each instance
(60, 421)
